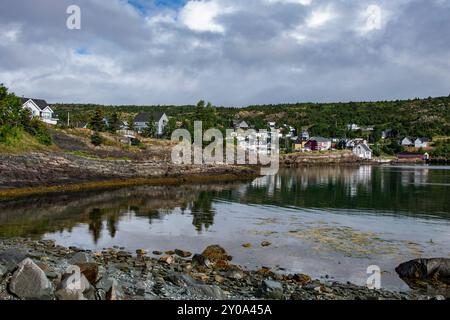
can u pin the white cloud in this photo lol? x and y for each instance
(201, 16)
(319, 17)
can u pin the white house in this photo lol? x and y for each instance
(39, 108)
(407, 142)
(142, 119)
(353, 127)
(421, 143)
(363, 151)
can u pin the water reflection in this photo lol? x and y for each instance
(420, 191)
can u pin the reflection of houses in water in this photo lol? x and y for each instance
(416, 176)
(271, 183)
(359, 179)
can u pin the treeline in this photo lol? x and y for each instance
(15, 121)
(417, 118)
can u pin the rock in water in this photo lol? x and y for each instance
(30, 282)
(432, 271)
(216, 253)
(270, 289)
(182, 253)
(265, 243)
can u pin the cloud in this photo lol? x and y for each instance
(228, 51)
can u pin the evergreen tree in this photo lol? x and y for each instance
(114, 123)
(96, 122)
(150, 131)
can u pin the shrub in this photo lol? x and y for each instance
(96, 139)
(39, 130)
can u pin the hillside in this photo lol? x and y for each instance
(419, 117)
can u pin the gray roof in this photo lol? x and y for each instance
(145, 116)
(42, 104)
(424, 139)
(365, 146)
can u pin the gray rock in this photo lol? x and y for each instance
(10, 258)
(3, 270)
(72, 288)
(30, 282)
(209, 291)
(81, 257)
(235, 274)
(270, 289)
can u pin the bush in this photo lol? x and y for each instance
(39, 130)
(96, 139)
(10, 135)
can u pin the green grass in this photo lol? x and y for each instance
(17, 141)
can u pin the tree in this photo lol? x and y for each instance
(169, 128)
(11, 111)
(96, 122)
(131, 123)
(114, 123)
(150, 130)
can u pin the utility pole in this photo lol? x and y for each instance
(68, 119)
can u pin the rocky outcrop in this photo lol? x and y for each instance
(423, 272)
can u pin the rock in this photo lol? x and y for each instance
(270, 289)
(72, 288)
(167, 259)
(247, 245)
(10, 258)
(157, 253)
(3, 270)
(141, 252)
(216, 253)
(80, 257)
(219, 279)
(302, 279)
(199, 260)
(114, 293)
(235, 274)
(197, 288)
(30, 282)
(434, 272)
(90, 270)
(183, 254)
(266, 243)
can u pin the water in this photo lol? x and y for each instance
(322, 221)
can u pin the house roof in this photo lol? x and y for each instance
(423, 139)
(42, 104)
(364, 146)
(145, 116)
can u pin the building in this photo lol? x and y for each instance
(410, 156)
(318, 144)
(238, 124)
(39, 108)
(350, 144)
(407, 142)
(388, 133)
(142, 119)
(305, 135)
(422, 143)
(353, 127)
(363, 151)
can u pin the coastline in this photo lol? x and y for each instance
(116, 274)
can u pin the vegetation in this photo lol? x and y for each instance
(16, 125)
(97, 139)
(442, 149)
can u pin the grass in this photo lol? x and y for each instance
(17, 141)
(87, 155)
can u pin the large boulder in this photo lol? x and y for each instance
(30, 282)
(433, 271)
(270, 289)
(73, 287)
(10, 258)
(216, 253)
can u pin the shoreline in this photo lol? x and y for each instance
(116, 274)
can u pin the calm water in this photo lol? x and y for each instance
(333, 221)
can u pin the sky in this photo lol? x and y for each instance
(229, 52)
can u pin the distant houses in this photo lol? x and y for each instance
(318, 144)
(39, 108)
(422, 143)
(363, 151)
(141, 121)
(407, 142)
(240, 124)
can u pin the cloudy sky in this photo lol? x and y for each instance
(230, 52)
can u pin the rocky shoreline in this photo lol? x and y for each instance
(31, 269)
(48, 172)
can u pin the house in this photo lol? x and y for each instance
(411, 156)
(363, 151)
(142, 119)
(305, 135)
(388, 133)
(39, 108)
(318, 144)
(299, 144)
(422, 143)
(350, 144)
(353, 127)
(238, 124)
(407, 142)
